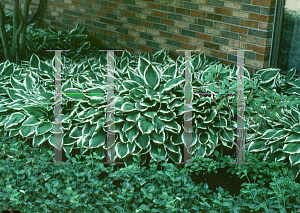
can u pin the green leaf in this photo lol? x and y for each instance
(220, 105)
(31, 121)
(26, 131)
(269, 134)
(35, 111)
(290, 74)
(122, 149)
(38, 140)
(28, 82)
(173, 83)
(152, 77)
(47, 95)
(143, 141)
(259, 99)
(75, 94)
(8, 70)
(44, 127)
(293, 138)
(273, 115)
(268, 75)
(129, 84)
(132, 134)
(14, 119)
(257, 146)
(292, 148)
(67, 85)
(13, 94)
(213, 69)
(145, 126)
(34, 61)
(143, 63)
(76, 132)
(293, 91)
(16, 84)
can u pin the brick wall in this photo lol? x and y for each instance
(211, 26)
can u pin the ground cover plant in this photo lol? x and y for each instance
(154, 183)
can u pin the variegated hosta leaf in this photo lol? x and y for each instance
(26, 131)
(145, 125)
(14, 119)
(43, 127)
(122, 149)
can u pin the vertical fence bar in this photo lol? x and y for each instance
(57, 110)
(240, 109)
(188, 128)
(110, 109)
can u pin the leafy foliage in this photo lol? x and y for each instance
(26, 105)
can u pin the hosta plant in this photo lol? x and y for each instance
(149, 104)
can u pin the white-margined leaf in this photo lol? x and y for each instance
(38, 140)
(143, 141)
(132, 134)
(145, 125)
(122, 149)
(44, 127)
(76, 132)
(98, 139)
(26, 131)
(14, 119)
(16, 84)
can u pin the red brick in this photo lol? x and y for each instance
(204, 36)
(126, 13)
(263, 18)
(197, 14)
(77, 3)
(154, 6)
(180, 38)
(262, 57)
(119, 1)
(127, 37)
(161, 14)
(187, 46)
(171, 9)
(211, 45)
(219, 54)
(259, 49)
(265, 3)
(58, 4)
(167, 21)
(110, 4)
(165, 34)
(91, 1)
(146, 49)
(147, 24)
(238, 29)
(223, 11)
